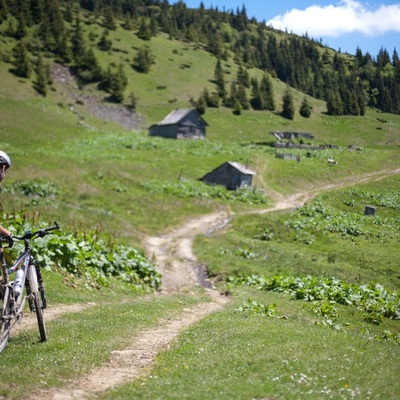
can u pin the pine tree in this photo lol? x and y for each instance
(109, 19)
(11, 28)
(128, 23)
(52, 30)
(220, 80)
(237, 107)
(382, 58)
(21, 61)
(143, 60)
(242, 97)
(68, 16)
(144, 31)
(362, 101)
(396, 65)
(233, 96)
(36, 11)
(256, 98)
(201, 104)
(154, 28)
(334, 103)
(267, 95)
(41, 77)
(115, 83)
(212, 100)
(78, 44)
(305, 108)
(216, 44)
(21, 31)
(243, 76)
(3, 11)
(288, 104)
(90, 70)
(104, 43)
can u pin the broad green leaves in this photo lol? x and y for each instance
(319, 218)
(374, 299)
(89, 257)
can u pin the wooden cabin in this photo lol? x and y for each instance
(184, 123)
(232, 175)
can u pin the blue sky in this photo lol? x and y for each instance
(340, 24)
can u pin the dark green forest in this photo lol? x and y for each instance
(347, 83)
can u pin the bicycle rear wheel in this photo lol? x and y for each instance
(5, 322)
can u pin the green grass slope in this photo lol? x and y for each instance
(91, 159)
(94, 173)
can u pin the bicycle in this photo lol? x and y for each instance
(27, 276)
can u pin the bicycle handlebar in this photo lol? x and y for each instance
(30, 235)
(40, 233)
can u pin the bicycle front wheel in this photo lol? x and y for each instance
(5, 322)
(39, 314)
(37, 301)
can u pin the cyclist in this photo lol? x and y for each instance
(5, 163)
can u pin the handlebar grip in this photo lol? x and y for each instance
(52, 228)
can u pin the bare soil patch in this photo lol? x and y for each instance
(98, 107)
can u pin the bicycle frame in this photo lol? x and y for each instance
(25, 262)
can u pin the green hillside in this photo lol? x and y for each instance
(81, 156)
(50, 129)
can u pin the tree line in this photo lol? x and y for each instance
(347, 83)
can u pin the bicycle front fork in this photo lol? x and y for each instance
(40, 286)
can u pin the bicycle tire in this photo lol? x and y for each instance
(37, 302)
(5, 324)
(39, 314)
(44, 298)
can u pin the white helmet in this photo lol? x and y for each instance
(4, 159)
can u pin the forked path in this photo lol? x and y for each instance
(175, 260)
(177, 263)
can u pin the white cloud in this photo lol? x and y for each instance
(347, 16)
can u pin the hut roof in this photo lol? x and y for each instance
(175, 116)
(242, 168)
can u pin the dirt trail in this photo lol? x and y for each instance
(174, 255)
(126, 365)
(177, 263)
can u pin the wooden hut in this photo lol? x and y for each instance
(232, 175)
(184, 123)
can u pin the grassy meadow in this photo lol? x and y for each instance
(287, 356)
(99, 175)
